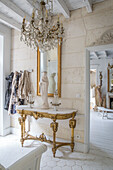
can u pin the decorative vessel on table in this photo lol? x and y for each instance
(30, 100)
(55, 102)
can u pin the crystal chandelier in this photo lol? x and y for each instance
(40, 31)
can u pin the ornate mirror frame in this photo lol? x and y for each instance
(59, 73)
(108, 71)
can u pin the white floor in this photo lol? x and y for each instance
(101, 134)
(65, 160)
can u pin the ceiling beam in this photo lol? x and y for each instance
(31, 2)
(15, 8)
(105, 53)
(97, 1)
(88, 4)
(9, 21)
(63, 8)
(95, 54)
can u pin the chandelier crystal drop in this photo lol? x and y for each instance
(40, 31)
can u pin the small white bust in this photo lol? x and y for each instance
(44, 90)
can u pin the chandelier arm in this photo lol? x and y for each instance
(25, 31)
(54, 30)
(32, 23)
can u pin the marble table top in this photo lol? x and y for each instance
(50, 111)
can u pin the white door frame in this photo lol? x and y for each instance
(87, 91)
(4, 117)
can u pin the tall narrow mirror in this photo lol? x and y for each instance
(50, 62)
(110, 78)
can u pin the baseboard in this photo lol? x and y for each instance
(6, 131)
(79, 147)
(16, 131)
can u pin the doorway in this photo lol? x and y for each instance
(89, 127)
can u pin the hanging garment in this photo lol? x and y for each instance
(9, 79)
(14, 94)
(24, 85)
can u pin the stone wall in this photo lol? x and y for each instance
(81, 30)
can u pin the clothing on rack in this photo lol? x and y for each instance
(9, 79)
(20, 90)
(24, 85)
(14, 96)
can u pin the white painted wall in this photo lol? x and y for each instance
(101, 65)
(5, 62)
(1, 68)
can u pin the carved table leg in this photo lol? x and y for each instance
(72, 124)
(54, 126)
(22, 123)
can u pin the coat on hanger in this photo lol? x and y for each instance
(9, 79)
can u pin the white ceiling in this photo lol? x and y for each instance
(13, 11)
(76, 4)
(101, 54)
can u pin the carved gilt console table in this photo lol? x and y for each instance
(50, 114)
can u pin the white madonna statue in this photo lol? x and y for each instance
(44, 90)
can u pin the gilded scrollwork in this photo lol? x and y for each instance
(22, 119)
(42, 137)
(36, 115)
(54, 125)
(19, 119)
(72, 123)
(22, 123)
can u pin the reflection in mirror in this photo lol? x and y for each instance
(110, 78)
(50, 62)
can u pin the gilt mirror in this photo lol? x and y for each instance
(110, 78)
(50, 62)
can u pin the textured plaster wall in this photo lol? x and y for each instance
(81, 30)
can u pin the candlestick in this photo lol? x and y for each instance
(61, 24)
(33, 14)
(24, 19)
(46, 13)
